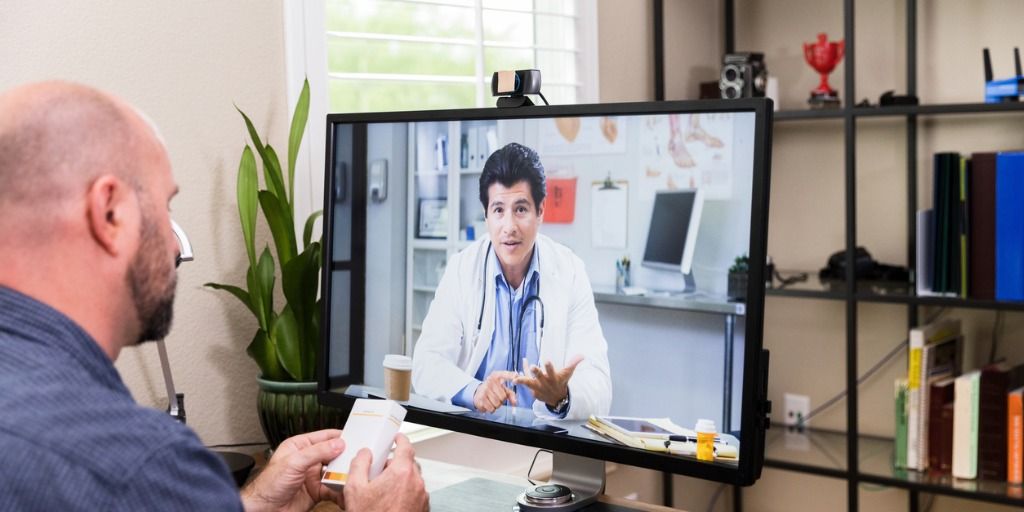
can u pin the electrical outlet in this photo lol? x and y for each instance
(796, 410)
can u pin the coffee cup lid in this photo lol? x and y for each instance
(398, 362)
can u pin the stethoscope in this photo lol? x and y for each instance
(513, 356)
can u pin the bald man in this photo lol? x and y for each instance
(87, 268)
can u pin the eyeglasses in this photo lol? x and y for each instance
(184, 246)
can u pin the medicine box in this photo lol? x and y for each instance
(371, 424)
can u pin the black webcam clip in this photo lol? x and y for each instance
(511, 87)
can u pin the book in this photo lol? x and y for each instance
(921, 368)
(963, 227)
(900, 415)
(926, 255)
(939, 360)
(1015, 436)
(940, 425)
(993, 387)
(965, 425)
(941, 224)
(1010, 226)
(982, 220)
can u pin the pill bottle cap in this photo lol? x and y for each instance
(705, 426)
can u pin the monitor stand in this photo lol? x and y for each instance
(575, 483)
(689, 283)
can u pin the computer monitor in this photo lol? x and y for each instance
(432, 265)
(672, 236)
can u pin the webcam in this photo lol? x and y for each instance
(511, 87)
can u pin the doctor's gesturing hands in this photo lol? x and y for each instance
(549, 385)
(493, 392)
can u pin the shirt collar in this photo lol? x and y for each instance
(35, 322)
(499, 276)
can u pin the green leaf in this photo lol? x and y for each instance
(281, 226)
(272, 174)
(299, 118)
(271, 165)
(246, 191)
(285, 336)
(262, 350)
(265, 281)
(299, 281)
(307, 232)
(241, 294)
(252, 131)
(257, 298)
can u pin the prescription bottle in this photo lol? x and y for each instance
(705, 439)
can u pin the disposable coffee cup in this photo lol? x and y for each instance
(397, 377)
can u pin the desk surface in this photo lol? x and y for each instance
(440, 476)
(696, 302)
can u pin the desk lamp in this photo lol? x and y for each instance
(239, 463)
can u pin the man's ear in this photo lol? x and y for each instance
(108, 203)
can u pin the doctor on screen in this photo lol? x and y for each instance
(513, 320)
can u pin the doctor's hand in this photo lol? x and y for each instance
(548, 384)
(492, 392)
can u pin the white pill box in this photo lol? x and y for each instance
(371, 424)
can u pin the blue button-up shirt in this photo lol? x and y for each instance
(72, 437)
(509, 319)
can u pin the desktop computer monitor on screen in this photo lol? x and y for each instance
(490, 257)
(672, 235)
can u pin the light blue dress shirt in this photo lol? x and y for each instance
(509, 317)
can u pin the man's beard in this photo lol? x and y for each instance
(152, 279)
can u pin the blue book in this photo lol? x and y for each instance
(1010, 226)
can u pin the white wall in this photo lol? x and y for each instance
(185, 63)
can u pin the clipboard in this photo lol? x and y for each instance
(609, 213)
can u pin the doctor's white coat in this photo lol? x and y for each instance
(450, 348)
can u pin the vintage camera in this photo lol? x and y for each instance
(743, 75)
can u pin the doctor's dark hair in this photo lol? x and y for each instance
(510, 165)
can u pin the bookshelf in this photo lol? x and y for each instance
(440, 174)
(850, 455)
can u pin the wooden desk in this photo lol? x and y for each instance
(440, 479)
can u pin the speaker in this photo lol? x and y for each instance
(743, 75)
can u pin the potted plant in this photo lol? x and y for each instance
(737, 287)
(286, 339)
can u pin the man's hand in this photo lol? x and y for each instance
(548, 384)
(493, 392)
(398, 488)
(291, 479)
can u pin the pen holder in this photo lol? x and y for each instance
(622, 279)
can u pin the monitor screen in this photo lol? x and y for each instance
(494, 249)
(675, 219)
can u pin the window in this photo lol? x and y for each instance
(430, 54)
(378, 55)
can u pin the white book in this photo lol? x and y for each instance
(965, 425)
(917, 380)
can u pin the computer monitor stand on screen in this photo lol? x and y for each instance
(491, 257)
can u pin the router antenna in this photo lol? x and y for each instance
(988, 65)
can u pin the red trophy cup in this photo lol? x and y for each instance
(823, 57)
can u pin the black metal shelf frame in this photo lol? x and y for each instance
(853, 295)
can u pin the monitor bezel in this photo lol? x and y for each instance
(752, 421)
(685, 265)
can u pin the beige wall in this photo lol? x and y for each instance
(185, 64)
